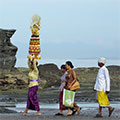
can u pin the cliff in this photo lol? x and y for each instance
(7, 49)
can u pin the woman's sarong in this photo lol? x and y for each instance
(32, 100)
(61, 106)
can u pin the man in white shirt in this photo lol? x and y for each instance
(102, 86)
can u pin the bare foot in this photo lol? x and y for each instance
(38, 113)
(78, 111)
(24, 113)
(69, 113)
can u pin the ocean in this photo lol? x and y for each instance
(78, 63)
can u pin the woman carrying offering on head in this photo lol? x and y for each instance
(32, 100)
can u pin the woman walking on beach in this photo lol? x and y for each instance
(32, 100)
(63, 82)
(102, 86)
(71, 79)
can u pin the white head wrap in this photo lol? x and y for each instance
(102, 60)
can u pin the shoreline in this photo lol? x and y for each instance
(78, 63)
(49, 114)
(87, 113)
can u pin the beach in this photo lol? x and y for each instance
(12, 104)
(14, 90)
(12, 111)
(49, 114)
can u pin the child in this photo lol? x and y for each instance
(63, 82)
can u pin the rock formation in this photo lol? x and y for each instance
(17, 78)
(7, 49)
(15, 81)
(50, 77)
(51, 74)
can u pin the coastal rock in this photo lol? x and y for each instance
(15, 82)
(87, 76)
(50, 73)
(5, 110)
(7, 49)
(11, 79)
(17, 78)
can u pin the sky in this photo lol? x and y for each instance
(69, 28)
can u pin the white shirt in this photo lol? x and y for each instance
(102, 80)
(63, 80)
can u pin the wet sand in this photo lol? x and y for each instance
(49, 114)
